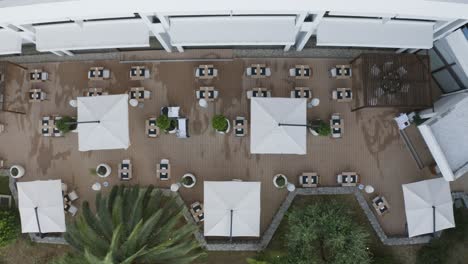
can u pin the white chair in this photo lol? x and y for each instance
(293, 94)
(215, 94)
(44, 76)
(249, 71)
(73, 196)
(164, 161)
(147, 94)
(43, 96)
(203, 103)
(267, 72)
(197, 72)
(182, 128)
(339, 178)
(64, 187)
(147, 74)
(198, 94)
(249, 94)
(292, 72)
(215, 72)
(106, 74)
(333, 72)
(72, 210)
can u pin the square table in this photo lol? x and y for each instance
(343, 71)
(137, 73)
(35, 95)
(260, 92)
(164, 171)
(312, 179)
(207, 93)
(303, 71)
(258, 70)
(344, 95)
(205, 71)
(380, 205)
(152, 130)
(240, 126)
(96, 73)
(125, 171)
(137, 93)
(196, 209)
(349, 178)
(94, 92)
(302, 92)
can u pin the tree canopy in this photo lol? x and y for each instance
(132, 225)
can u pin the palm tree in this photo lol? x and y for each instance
(132, 225)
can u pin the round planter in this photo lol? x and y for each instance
(172, 128)
(17, 171)
(107, 173)
(188, 175)
(227, 129)
(280, 176)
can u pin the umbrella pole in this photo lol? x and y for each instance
(294, 125)
(37, 219)
(434, 220)
(83, 122)
(230, 231)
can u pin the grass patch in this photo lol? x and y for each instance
(381, 254)
(4, 185)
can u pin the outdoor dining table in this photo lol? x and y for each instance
(163, 171)
(137, 73)
(207, 93)
(349, 178)
(137, 93)
(205, 71)
(94, 92)
(35, 75)
(196, 209)
(259, 92)
(240, 126)
(344, 95)
(96, 73)
(152, 130)
(35, 95)
(303, 71)
(302, 92)
(258, 70)
(48, 127)
(311, 179)
(380, 205)
(125, 171)
(343, 71)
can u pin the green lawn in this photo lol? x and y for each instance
(4, 189)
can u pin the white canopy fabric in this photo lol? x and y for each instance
(243, 198)
(419, 199)
(47, 197)
(112, 130)
(267, 137)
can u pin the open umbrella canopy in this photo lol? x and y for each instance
(420, 199)
(45, 198)
(267, 136)
(232, 208)
(111, 132)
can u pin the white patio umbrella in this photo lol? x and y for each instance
(278, 126)
(428, 206)
(103, 122)
(232, 209)
(40, 204)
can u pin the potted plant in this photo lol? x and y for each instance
(188, 180)
(103, 170)
(66, 124)
(17, 171)
(280, 181)
(221, 124)
(319, 128)
(166, 124)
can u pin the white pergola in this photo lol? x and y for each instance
(273, 129)
(232, 209)
(428, 206)
(103, 122)
(40, 205)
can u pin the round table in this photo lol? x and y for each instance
(105, 184)
(313, 103)
(96, 186)
(175, 187)
(203, 103)
(369, 189)
(291, 187)
(133, 102)
(73, 103)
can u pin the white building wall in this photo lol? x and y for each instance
(442, 15)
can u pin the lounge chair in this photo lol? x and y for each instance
(44, 76)
(182, 131)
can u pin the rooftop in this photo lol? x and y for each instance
(371, 144)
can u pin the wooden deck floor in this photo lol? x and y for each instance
(371, 144)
